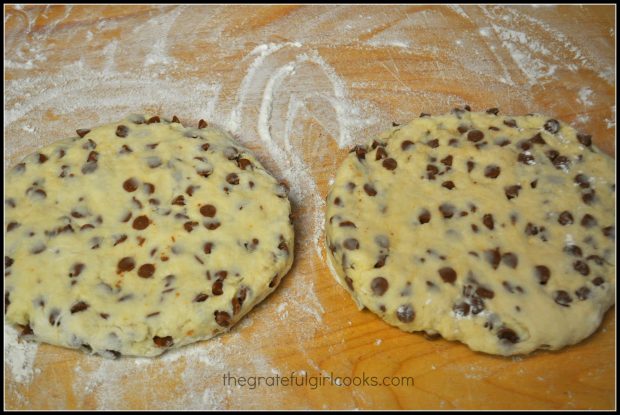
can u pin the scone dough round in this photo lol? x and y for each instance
(492, 230)
(141, 236)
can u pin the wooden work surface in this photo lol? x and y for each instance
(299, 85)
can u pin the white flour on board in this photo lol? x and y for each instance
(19, 356)
(611, 122)
(287, 87)
(582, 119)
(200, 381)
(585, 95)
(523, 51)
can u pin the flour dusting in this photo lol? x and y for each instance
(585, 96)
(286, 97)
(200, 367)
(19, 356)
(523, 51)
(611, 122)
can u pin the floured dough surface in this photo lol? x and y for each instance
(492, 230)
(141, 236)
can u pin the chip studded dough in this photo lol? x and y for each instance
(492, 230)
(141, 236)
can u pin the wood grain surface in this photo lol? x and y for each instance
(299, 85)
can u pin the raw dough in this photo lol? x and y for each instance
(496, 231)
(141, 236)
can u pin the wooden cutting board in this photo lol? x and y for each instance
(299, 85)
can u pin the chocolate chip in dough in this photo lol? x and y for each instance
(351, 244)
(447, 210)
(82, 132)
(492, 171)
(283, 246)
(78, 307)
(217, 287)
(233, 178)
(565, 218)
(553, 126)
(360, 152)
(122, 131)
(434, 143)
(349, 282)
(537, 139)
(424, 217)
(381, 153)
(153, 162)
(141, 222)
(526, 159)
(448, 184)
(146, 270)
(212, 225)
(130, 185)
(483, 292)
(390, 164)
(512, 192)
(510, 259)
(447, 274)
(524, 145)
(589, 197)
(381, 261)
(370, 190)
(38, 248)
(405, 313)
(581, 267)
(406, 145)
(510, 123)
(239, 299)
(163, 341)
(585, 139)
(431, 171)
(222, 318)
(582, 180)
(244, 163)
(488, 221)
(493, 257)
(447, 161)
(562, 298)
(461, 309)
(582, 293)
(475, 135)
(126, 264)
(507, 335)
(76, 270)
(208, 210)
(199, 298)
(379, 286)
(552, 154)
(54, 317)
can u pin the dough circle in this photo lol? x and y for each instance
(141, 236)
(492, 230)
